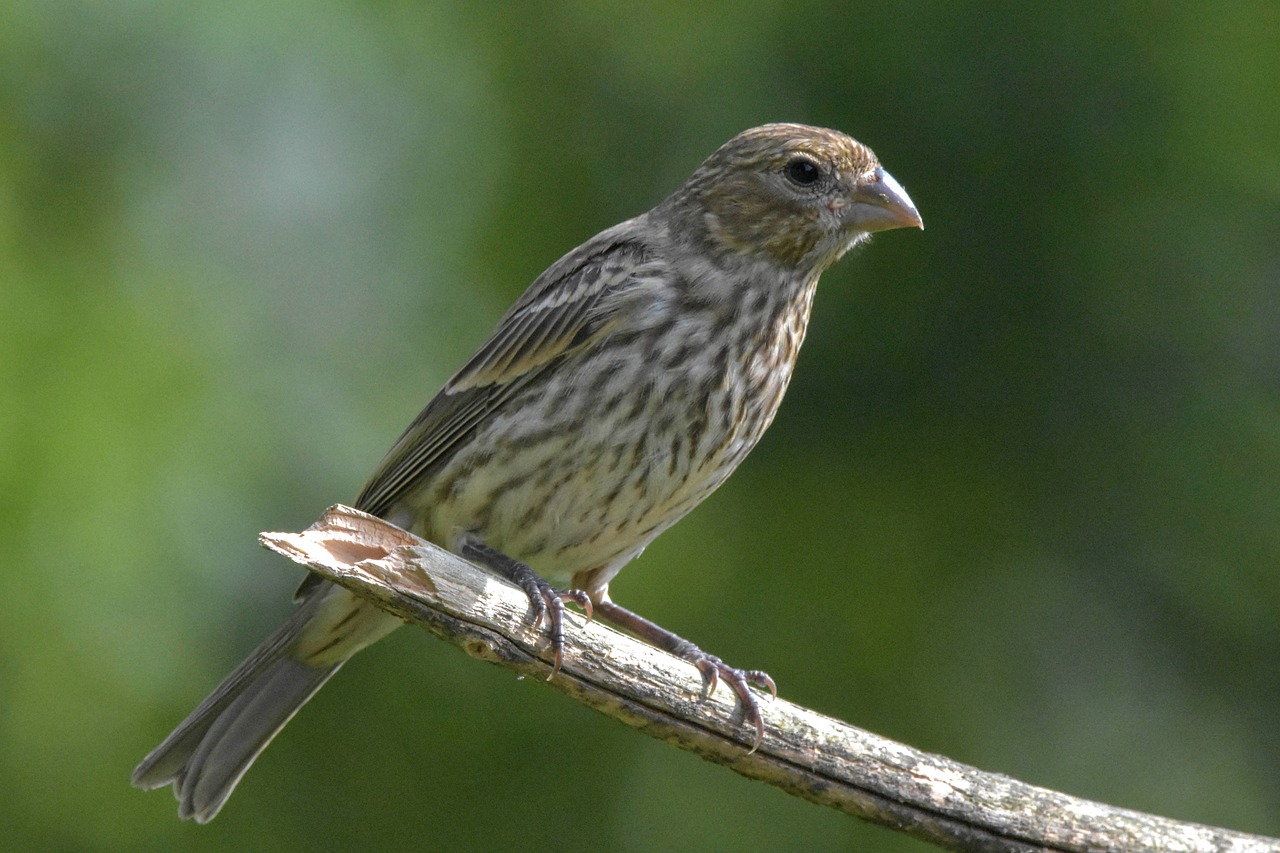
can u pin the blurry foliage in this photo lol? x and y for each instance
(1020, 506)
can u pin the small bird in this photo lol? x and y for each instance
(617, 393)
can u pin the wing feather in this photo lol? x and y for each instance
(564, 310)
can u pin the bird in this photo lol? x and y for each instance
(619, 391)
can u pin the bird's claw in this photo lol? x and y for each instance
(740, 681)
(547, 601)
(548, 604)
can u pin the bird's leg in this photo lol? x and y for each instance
(546, 600)
(711, 667)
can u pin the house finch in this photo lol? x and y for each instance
(619, 391)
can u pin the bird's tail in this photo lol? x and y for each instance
(212, 748)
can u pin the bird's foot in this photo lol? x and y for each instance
(712, 668)
(739, 680)
(547, 601)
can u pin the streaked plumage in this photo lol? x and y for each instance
(620, 390)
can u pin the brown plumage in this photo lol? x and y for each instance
(630, 379)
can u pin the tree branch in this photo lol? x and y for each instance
(804, 753)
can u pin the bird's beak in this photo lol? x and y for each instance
(879, 203)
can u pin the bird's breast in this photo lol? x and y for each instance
(587, 465)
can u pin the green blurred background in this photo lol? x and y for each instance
(1020, 506)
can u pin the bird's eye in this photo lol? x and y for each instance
(803, 171)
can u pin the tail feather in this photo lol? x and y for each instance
(211, 749)
(241, 732)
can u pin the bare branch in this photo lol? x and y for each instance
(804, 753)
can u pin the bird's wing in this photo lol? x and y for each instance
(564, 310)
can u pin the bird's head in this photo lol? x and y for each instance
(791, 195)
